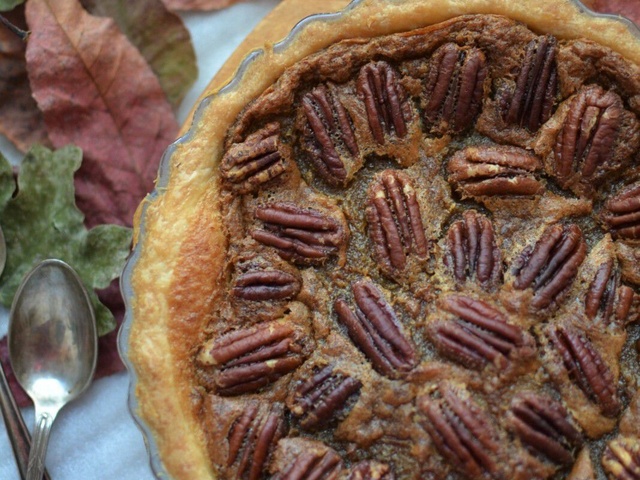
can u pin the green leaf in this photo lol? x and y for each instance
(7, 182)
(160, 36)
(7, 5)
(42, 221)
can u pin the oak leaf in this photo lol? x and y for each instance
(40, 220)
(160, 36)
(96, 91)
(20, 119)
(7, 5)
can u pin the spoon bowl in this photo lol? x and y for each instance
(52, 346)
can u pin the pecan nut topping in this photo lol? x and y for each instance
(552, 265)
(385, 100)
(461, 432)
(249, 359)
(369, 470)
(495, 171)
(479, 334)
(545, 426)
(302, 235)
(395, 223)
(252, 438)
(621, 458)
(586, 368)
(606, 298)
(376, 330)
(622, 213)
(472, 252)
(532, 100)
(324, 397)
(330, 135)
(260, 158)
(312, 462)
(264, 285)
(454, 88)
(585, 148)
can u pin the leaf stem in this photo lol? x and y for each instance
(23, 34)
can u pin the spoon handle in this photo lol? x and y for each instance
(44, 422)
(16, 428)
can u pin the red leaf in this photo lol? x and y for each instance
(96, 91)
(22, 399)
(20, 119)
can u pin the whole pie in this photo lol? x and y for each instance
(402, 245)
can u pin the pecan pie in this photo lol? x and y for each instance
(403, 246)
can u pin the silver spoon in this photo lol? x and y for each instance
(16, 428)
(53, 346)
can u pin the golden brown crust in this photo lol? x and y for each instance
(182, 249)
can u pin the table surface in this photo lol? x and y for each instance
(95, 437)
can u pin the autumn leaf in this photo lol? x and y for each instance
(41, 221)
(6, 5)
(20, 119)
(184, 5)
(160, 36)
(96, 91)
(7, 182)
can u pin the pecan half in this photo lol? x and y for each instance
(260, 158)
(606, 297)
(252, 439)
(479, 334)
(395, 223)
(545, 426)
(495, 170)
(552, 265)
(454, 87)
(388, 108)
(324, 397)
(472, 252)
(369, 470)
(330, 135)
(248, 359)
(462, 433)
(315, 464)
(531, 103)
(621, 458)
(302, 235)
(376, 330)
(586, 368)
(622, 213)
(586, 143)
(261, 285)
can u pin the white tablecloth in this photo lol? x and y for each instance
(95, 437)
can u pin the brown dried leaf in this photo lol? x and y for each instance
(160, 36)
(96, 91)
(20, 119)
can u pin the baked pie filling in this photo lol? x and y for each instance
(431, 264)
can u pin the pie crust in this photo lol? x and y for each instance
(178, 281)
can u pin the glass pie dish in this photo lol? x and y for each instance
(400, 243)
